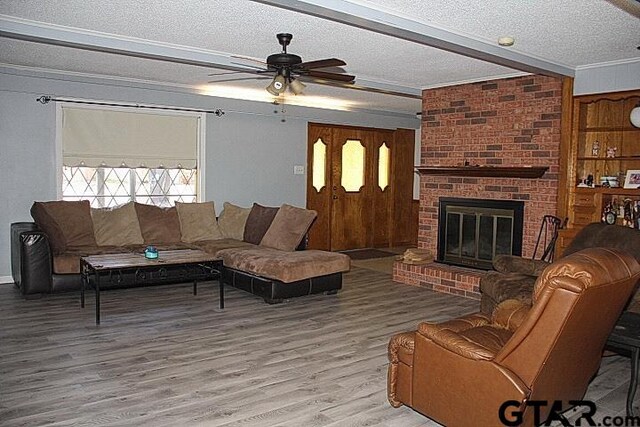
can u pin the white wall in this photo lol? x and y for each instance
(250, 152)
(604, 78)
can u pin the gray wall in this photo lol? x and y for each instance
(250, 153)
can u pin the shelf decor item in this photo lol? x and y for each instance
(151, 252)
(633, 179)
(609, 181)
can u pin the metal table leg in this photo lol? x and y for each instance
(221, 286)
(633, 384)
(97, 275)
(83, 282)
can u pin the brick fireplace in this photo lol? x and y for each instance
(507, 122)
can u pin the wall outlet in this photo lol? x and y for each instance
(298, 170)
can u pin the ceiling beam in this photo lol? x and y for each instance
(23, 29)
(368, 18)
(40, 32)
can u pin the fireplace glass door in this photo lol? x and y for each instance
(472, 235)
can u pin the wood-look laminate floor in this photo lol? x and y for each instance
(162, 357)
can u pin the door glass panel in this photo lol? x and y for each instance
(383, 166)
(319, 164)
(352, 165)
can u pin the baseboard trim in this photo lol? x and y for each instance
(6, 280)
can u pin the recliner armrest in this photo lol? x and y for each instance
(517, 264)
(454, 342)
(447, 335)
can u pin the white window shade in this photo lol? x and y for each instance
(96, 137)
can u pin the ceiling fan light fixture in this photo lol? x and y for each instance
(296, 86)
(277, 85)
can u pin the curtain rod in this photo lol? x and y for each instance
(45, 99)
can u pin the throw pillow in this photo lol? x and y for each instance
(117, 226)
(232, 221)
(288, 228)
(258, 223)
(158, 225)
(65, 223)
(198, 222)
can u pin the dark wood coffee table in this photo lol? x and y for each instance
(133, 269)
(626, 336)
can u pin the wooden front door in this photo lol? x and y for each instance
(350, 185)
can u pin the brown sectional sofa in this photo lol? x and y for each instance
(261, 248)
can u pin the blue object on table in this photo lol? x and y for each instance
(151, 252)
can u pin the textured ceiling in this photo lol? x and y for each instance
(562, 31)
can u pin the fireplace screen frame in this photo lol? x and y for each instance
(513, 206)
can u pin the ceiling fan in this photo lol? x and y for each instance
(288, 70)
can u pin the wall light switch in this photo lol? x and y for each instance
(298, 170)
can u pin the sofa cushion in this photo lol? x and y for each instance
(258, 222)
(606, 236)
(69, 261)
(232, 221)
(117, 226)
(158, 225)
(66, 223)
(288, 228)
(198, 222)
(286, 267)
(213, 246)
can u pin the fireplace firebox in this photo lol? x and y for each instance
(471, 232)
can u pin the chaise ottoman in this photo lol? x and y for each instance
(276, 275)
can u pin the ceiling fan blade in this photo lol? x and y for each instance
(360, 87)
(347, 78)
(239, 79)
(322, 63)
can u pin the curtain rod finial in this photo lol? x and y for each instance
(44, 99)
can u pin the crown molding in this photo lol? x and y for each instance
(615, 63)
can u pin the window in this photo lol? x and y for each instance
(107, 187)
(113, 156)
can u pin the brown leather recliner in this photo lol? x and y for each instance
(460, 372)
(515, 276)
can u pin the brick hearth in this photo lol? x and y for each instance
(508, 122)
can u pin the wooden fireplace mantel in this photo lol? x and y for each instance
(485, 171)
